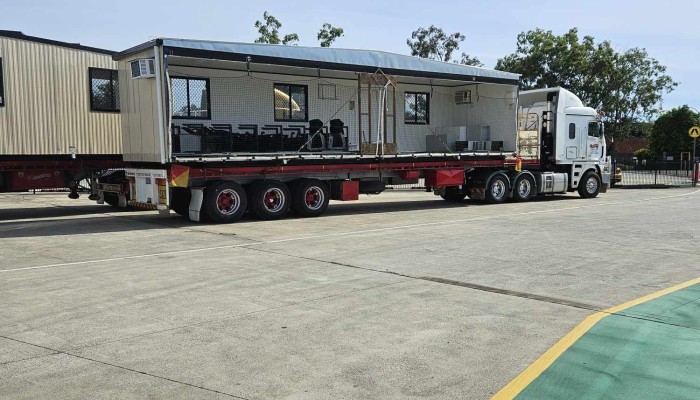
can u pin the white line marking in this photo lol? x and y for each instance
(391, 228)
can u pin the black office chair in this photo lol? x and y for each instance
(336, 137)
(316, 140)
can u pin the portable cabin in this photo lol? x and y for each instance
(57, 99)
(192, 100)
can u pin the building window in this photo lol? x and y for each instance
(291, 102)
(417, 108)
(104, 90)
(190, 98)
(572, 131)
(2, 86)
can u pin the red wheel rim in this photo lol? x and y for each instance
(228, 201)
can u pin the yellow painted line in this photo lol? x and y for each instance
(517, 385)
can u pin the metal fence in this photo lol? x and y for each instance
(654, 173)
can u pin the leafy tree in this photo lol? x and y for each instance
(434, 43)
(670, 131)
(269, 31)
(328, 34)
(630, 84)
(644, 154)
(468, 60)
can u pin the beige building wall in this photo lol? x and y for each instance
(139, 113)
(47, 101)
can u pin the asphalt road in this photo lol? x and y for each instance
(401, 295)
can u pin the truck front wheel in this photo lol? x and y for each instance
(269, 199)
(224, 202)
(589, 186)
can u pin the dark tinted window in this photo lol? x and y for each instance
(2, 86)
(416, 108)
(572, 131)
(104, 90)
(190, 98)
(291, 102)
(593, 129)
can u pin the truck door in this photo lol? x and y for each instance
(576, 137)
(594, 142)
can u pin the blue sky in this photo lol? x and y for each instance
(668, 30)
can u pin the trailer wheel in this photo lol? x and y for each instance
(310, 197)
(524, 188)
(269, 199)
(180, 201)
(453, 194)
(589, 186)
(224, 202)
(497, 189)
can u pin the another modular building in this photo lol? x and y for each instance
(56, 99)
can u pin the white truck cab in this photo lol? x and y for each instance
(570, 139)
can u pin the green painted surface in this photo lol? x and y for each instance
(649, 351)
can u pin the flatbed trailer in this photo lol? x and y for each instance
(197, 138)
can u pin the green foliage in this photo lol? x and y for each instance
(644, 154)
(468, 60)
(630, 84)
(670, 131)
(328, 34)
(269, 31)
(434, 43)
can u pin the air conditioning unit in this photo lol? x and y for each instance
(463, 97)
(143, 68)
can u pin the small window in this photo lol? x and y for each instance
(593, 129)
(104, 90)
(327, 91)
(190, 98)
(291, 102)
(2, 87)
(572, 131)
(417, 108)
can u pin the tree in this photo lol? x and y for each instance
(644, 154)
(670, 131)
(269, 31)
(630, 85)
(434, 43)
(328, 34)
(468, 60)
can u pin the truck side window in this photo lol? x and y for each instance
(593, 129)
(572, 131)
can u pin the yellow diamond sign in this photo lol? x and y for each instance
(694, 132)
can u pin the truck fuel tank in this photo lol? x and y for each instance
(552, 182)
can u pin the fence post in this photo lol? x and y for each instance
(656, 172)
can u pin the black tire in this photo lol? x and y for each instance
(224, 202)
(497, 189)
(309, 197)
(269, 199)
(589, 186)
(180, 201)
(524, 188)
(453, 194)
(112, 199)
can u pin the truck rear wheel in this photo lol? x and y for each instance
(497, 189)
(589, 186)
(453, 194)
(269, 199)
(224, 202)
(524, 188)
(310, 197)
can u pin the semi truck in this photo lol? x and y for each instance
(213, 130)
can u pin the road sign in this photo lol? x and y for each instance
(694, 132)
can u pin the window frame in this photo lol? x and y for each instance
(427, 108)
(2, 85)
(187, 85)
(113, 77)
(572, 133)
(306, 102)
(597, 129)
